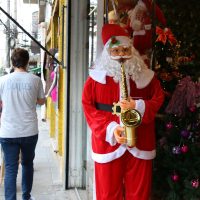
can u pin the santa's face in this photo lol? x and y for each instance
(120, 52)
(112, 21)
(140, 15)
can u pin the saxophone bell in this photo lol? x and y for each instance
(131, 120)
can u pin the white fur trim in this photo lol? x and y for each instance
(144, 79)
(124, 41)
(98, 75)
(147, 26)
(108, 157)
(141, 32)
(145, 155)
(140, 106)
(110, 133)
(141, 5)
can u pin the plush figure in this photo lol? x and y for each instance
(112, 17)
(122, 171)
(140, 22)
(53, 90)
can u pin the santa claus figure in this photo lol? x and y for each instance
(121, 171)
(140, 22)
(112, 17)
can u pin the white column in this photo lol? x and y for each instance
(78, 70)
(42, 29)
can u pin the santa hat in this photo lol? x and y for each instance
(140, 6)
(115, 34)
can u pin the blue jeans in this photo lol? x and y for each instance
(11, 150)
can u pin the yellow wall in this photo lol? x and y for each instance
(56, 117)
(61, 91)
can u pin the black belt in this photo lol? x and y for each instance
(106, 107)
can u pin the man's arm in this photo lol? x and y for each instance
(41, 101)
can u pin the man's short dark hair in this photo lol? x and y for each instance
(20, 58)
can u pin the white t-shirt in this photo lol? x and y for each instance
(19, 92)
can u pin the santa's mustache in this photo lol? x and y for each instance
(120, 57)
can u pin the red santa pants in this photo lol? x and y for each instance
(126, 178)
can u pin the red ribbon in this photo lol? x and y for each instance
(164, 35)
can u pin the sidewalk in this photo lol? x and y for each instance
(47, 181)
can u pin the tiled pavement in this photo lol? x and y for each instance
(47, 181)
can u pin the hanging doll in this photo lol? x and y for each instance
(141, 25)
(53, 90)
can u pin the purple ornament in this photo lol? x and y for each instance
(162, 141)
(176, 150)
(185, 133)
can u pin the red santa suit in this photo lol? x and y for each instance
(120, 170)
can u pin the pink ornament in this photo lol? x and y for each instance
(195, 183)
(175, 177)
(169, 125)
(192, 108)
(184, 149)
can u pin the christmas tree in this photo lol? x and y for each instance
(177, 165)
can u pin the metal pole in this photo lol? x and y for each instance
(27, 33)
(106, 2)
(15, 17)
(8, 37)
(92, 37)
(68, 79)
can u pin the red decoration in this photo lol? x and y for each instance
(164, 35)
(113, 41)
(175, 177)
(184, 149)
(193, 108)
(169, 125)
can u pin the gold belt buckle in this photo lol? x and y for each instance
(116, 109)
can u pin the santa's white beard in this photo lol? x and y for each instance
(133, 66)
(136, 25)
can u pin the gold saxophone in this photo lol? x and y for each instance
(130, 118)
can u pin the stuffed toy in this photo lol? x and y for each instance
(141, 25)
